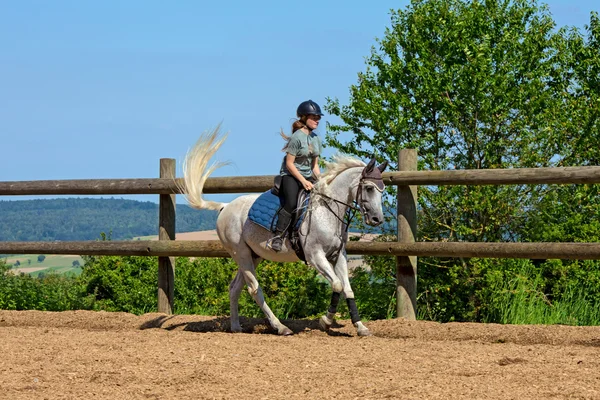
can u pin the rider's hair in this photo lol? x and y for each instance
(297, 124)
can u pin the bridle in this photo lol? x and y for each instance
(372, 178)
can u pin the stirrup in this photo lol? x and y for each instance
(275, 243)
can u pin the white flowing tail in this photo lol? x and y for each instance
(195, 171)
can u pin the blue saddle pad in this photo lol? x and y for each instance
(264, 211)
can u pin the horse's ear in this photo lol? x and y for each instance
(381, 167)
(370, 165)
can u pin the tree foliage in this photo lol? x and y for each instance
(481, 85)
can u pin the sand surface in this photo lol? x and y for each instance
(100, 355)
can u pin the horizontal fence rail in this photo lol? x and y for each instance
(512, 176)
(246, 184)
(214, 248)
(257, 184)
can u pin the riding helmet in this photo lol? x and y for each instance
(308, 107)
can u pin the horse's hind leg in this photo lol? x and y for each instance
(248, 271)
(235, 289)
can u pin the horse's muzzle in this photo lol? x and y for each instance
(373, 220)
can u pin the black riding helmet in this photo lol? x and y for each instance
(308, 107)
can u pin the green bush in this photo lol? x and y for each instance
(374, 289)
(129, 284)
(202, 285)
(510, 291)
(50, 292)
(126, 284)
(480, 290)
(292, 290)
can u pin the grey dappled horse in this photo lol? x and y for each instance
(323, 233)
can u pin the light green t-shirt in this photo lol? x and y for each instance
(305, 148)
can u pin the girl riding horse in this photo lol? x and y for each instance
(300, 165)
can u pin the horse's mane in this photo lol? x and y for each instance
(338, 164)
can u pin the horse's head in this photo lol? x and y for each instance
(370, 191)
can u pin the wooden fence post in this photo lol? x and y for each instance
(166, 231)
(406, 266)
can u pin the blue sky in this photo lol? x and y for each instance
(104, 89)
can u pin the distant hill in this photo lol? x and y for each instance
(85, 218)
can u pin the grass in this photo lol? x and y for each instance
(59, 270)
(149, 237)
(520, 300)
(59, 264)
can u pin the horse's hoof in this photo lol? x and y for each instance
(364, 332)
(236, 329)
(325, 323)
(285, 332)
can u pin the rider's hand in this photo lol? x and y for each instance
(307, 185)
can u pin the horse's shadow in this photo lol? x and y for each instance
(249, 325)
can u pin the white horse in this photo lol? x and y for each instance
(323, 231)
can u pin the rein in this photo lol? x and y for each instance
(349, 214)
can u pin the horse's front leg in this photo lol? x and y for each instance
(341, 270)
(328, 319)
(319, 260)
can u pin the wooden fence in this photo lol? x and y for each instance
(405, 249)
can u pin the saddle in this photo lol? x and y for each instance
(265, 212)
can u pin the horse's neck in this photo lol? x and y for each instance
(344, 186)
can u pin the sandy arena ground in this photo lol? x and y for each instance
(99, 355)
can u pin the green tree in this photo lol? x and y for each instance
(471, 85)
(569, 213)
(41, 258)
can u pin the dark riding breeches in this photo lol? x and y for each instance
(290, 187)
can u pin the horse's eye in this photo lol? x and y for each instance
(369, 189)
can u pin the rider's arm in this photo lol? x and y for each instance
(289, 163)
(315, 168)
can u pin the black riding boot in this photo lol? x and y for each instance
(283, 221)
